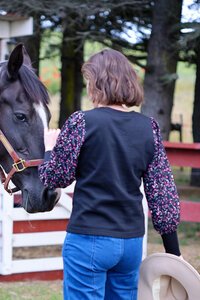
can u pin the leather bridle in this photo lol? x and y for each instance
(19, 165)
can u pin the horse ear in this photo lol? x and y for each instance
(15, 61)
(27, 60)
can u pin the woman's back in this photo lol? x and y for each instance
(118, 146)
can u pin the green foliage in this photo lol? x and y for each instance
(183, 101)
(50, 76)
(92, 47)
(50, 60)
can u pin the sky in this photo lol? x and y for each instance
(189, 14)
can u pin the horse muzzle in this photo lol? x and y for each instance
(34, 203)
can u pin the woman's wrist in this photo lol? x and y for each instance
(171, 244)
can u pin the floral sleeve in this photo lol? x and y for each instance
(59, 171)
(160, 189)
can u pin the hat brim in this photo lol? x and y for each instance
(159, 264)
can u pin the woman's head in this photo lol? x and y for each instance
(111, 79)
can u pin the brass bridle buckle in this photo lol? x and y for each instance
(20, 165)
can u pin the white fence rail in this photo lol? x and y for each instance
(10, 240)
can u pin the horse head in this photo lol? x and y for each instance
(24, 114)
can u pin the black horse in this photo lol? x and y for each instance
(23, 116)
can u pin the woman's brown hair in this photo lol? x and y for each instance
(111, 79)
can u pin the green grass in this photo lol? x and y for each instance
(36, 290)
(188, 232)
(181, 175)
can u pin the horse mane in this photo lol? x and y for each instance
(33, 87)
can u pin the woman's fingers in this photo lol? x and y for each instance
(50, 137)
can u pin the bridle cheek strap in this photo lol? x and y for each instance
(19, 164)
(19, 167)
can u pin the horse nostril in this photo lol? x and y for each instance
(49, 198)
(48, 193)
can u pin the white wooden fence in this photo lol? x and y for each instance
(10, 240)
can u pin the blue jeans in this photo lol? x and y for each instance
(99, 267)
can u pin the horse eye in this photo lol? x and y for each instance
(21, 117)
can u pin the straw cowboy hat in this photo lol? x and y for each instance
(178, 279)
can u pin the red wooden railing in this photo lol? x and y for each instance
(185, 155)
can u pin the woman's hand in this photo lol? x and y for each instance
(50, 137)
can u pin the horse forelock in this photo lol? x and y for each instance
(33, 87)
(35, 90)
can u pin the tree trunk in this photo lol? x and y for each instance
(195, 175)
(160, 76)
(32, 43)
(71, 77)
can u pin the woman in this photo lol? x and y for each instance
(108, 151)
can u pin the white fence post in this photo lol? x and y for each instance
(6, 232)
(10, 240)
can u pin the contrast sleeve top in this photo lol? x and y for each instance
(59, 168)
(160, 189)
(62, 166)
